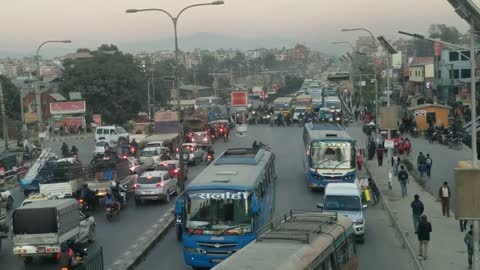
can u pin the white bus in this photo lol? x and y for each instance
(299, 240)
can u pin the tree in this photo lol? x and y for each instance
(83, 50)
(444, 32)
(112, 84)
(11, 96)
(269, 60)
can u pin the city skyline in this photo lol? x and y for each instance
(247, 19)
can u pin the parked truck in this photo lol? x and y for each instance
(39, 228)
(66, 177)
(196, 128)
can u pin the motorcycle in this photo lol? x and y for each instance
(209, 158)
(83, 205)
(110, 212)
(133, 151)
(225, 137)
(414, 132)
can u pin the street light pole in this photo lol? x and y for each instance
(374, 49)
(177, 68)
(37, 83)
(350, 66)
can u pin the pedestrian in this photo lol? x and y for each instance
(403, 179)
(374, 189)
(421, 165)
(424, 230)
(428, 162)
(468, 239)
(395, 163)
(444, 193)
(359, 160)
(380, 152)
(407, 146)
(417, 211)
(463, 224)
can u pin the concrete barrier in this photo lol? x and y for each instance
(140, 248)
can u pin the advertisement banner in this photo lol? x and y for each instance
(239, 99)
(30, 118)
(165, 116)
(68, 107)
(438, 48)
(97, 119)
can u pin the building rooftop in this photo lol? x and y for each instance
(426, 105)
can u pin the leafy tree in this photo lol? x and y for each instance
(83, 50)
(11, 96)
(269, 60)
(444, 32)
(423, 47)
(112, 84)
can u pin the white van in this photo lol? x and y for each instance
(111, 134)
(346, 200)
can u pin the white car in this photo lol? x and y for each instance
(150, 157)
(112, 134)
(7, 195)
(192, 153)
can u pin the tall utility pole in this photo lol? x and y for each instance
(177, 70)
(4, 116)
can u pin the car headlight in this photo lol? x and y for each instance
(359, 221)
(338, 118)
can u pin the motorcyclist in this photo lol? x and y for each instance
(111, 202)
(116, 188)
(74, 150)
(210, 152)
(134, 143)
(280, 119)
(87, 194)
(77, 249)
(287, 119)
(255, 145)
(64, 149)
(66, 257)
(226, 131)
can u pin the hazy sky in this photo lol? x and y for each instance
(26, 23)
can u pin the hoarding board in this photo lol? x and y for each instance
(67, 107)
(239, 99)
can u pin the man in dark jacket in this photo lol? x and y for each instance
(424, 230)
(417, 211)
(403, 179)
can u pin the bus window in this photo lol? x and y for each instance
(342, 255)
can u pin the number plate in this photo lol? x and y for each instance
(41, 250)
(217, 260)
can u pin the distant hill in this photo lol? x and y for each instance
(199, 40)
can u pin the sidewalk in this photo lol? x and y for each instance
(447, 250)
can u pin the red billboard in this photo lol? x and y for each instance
(438, 48)
(239, 99)
(68, 107)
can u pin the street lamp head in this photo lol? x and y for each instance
(66, 41)
(349, 29)
(132, 10)
(220, 2)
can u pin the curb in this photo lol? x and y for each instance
(396, 225)
(140, 248)
(80, 137)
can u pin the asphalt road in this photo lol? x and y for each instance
(114, 237)
(381, 250)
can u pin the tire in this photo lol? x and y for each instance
(9, 203)
(92, 235)
(27, 260)
(166, 199)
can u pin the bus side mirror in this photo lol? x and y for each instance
(320, 205)
(255, 206)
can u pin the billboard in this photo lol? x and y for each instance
(165, 122)
(30, 118)
(67, 107)
(239, 99)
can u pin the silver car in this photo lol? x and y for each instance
(155, 185)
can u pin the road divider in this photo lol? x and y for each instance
(140, 248)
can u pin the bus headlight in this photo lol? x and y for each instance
(338, 118)
(349, 177)
(359, 221)
(195, 250)
(316, 176)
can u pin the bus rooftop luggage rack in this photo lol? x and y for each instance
(325, 126)
(297, 225)
(244, 156)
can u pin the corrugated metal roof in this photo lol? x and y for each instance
(422, 106)
(58, 97)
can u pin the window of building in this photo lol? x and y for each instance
(453, 56)
(456, 74)
(466, 73)
(465, 55)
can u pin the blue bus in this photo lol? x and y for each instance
(330, 155)
(224, 206)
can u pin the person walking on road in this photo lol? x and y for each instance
(403, 179)
(468, 239)
(359, 160)
(380, 152)
(424, 230)
(421, 165)
(428, 162)
(444, 193)
(417, 211)
(408, 146)
(395, 163)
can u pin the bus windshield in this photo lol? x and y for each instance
(281, 106)
(332, 103)
(331, 155)
(220, 210)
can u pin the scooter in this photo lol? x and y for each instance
(209, 158)
(110, 212)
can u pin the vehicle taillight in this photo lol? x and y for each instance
(80, 201)
(176, 149)
(221, 130)
(205, 139)
(175, 171)
(161, 184)
(136, 186)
